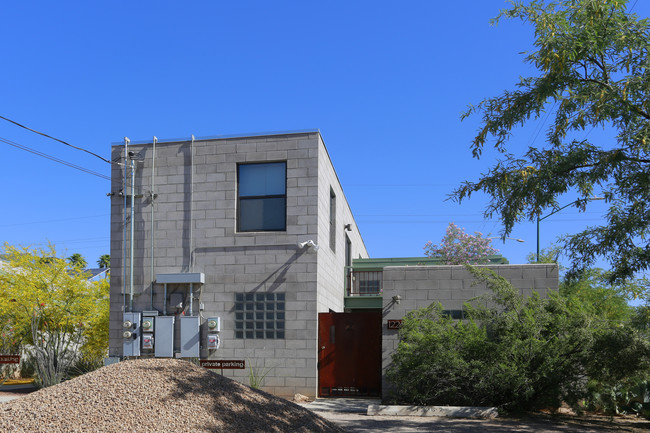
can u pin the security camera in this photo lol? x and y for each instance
(308, 243)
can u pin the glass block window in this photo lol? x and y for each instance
(259, 315)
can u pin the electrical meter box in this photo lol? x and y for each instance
(164, 327)
(213, 324)
(131, 334)
(189, 336)
(147, 341)
(213, 341)
(147, 324)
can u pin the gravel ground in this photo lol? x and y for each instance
(161, 395)
(156, 395)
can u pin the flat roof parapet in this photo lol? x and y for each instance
(380, 263)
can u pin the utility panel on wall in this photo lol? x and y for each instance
(131, 334)
(164, 331)
(189, 336)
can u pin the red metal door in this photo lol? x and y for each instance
(349, 361)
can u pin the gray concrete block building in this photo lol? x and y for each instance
(242, 252)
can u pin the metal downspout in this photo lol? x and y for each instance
(125, 195)
(165, 299)
(191, 297)
(191, 203)
(153, 204)
(132, 234)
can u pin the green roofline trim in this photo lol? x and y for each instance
(380, 263)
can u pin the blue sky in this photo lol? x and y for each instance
(385, 82)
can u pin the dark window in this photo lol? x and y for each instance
(332, 220)
(369, 287)
(455, 314)
(262, 197)
(262, 319)
(348, 251)
(348, 263)
(366, 283)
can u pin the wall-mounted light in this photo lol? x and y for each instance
(348, 227)
(310, 244)
(397, 299)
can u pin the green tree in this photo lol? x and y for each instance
(546, 255)
(593, 70)
(78, 261)
(104, 261)
(52, 309)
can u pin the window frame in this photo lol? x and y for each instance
(332, 220)
(241, 198)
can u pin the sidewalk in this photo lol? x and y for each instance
(11, 392)
(340, 405)
(351, 415)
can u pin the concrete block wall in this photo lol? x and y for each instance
(195, 230)
(452, 286)
(331, 262)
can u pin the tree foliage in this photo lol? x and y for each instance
(516, 352)
(104, 261)
(77, 260)
(52, 309)
(593, 64)
(458, 247)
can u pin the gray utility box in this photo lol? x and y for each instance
(131, 334)
(189, 336)
(164, 332)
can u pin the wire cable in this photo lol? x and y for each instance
(53, 158)
(54, 220)
(56, 139)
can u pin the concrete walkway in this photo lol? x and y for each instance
(341, 405)
(11, 392)
(351, 415)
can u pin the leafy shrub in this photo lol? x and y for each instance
(512, 352)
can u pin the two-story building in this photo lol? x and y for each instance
(243, 251)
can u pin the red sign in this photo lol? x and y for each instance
(9, 359)
(223, 364)
(394, 324)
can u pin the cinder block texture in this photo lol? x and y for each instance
(185, 220)
(451, 286)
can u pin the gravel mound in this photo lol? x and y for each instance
(156, 395)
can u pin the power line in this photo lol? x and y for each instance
(54, 221)
(455, 215)
(56, 139)
(53, 158)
